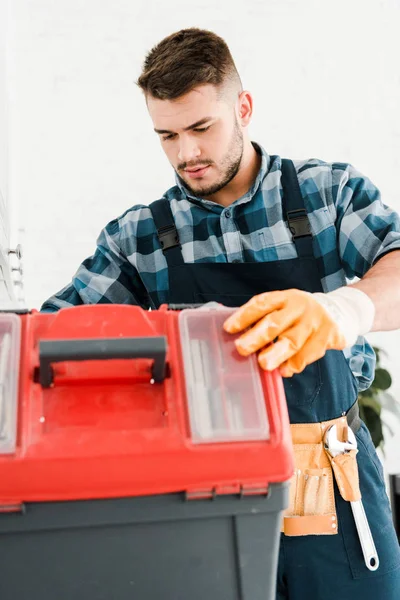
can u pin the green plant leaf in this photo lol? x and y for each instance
(368, 393)
(378, 354)
(374, 424)
(374, 399)
(382, 380)
(371, 403)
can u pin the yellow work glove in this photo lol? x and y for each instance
(305, 326)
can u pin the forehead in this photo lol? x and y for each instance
(182, 112)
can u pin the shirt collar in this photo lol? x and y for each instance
(265, 163)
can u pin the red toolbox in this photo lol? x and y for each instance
(140, 457)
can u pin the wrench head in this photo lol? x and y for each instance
(334, 446)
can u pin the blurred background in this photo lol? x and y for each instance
(76, 142)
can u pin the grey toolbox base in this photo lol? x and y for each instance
(152, 548)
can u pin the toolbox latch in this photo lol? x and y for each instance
(256, 489)
(12, 507)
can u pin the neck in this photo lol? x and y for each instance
(243, 180)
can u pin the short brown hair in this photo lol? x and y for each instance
(185, 60)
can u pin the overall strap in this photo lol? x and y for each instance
(167, 232)
(294, 210)
(292, 206)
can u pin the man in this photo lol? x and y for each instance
(252, 230)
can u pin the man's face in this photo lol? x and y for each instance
(202, 138)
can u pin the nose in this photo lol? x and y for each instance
(188, 149)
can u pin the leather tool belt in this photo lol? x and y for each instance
(311, 508)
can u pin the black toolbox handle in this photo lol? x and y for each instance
(102, 349)
(184, 306)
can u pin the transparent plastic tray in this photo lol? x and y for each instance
(10, 338)
(225, 395)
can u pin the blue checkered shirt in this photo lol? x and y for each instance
(351, 229)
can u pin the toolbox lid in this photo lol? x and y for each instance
(10, 334)
(103, 413)
(224, 392)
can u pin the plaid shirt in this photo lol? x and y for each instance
(350, 225)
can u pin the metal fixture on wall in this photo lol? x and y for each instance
(17, 280)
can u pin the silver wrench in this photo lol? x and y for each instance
(335, 447)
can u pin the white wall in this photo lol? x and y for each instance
(3, 116)
(326, 83)
(6, 287)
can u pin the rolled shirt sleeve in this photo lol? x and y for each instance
(107, 277)
(367, 229)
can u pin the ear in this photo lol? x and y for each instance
(245, 108)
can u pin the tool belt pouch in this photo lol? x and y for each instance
(311, 508)
(346, 473)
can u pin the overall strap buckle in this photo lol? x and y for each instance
(168, 236)
(299, 223)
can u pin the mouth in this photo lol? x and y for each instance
(197, 172)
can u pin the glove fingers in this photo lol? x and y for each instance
(265, 331)
(311, 351)
(287, 346)
(254, 310)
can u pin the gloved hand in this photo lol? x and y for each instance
(306, 325)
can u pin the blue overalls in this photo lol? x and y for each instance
(313, 567)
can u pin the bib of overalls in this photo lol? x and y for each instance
(325, 389)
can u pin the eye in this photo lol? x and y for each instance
(202, 130)
(169, 137)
